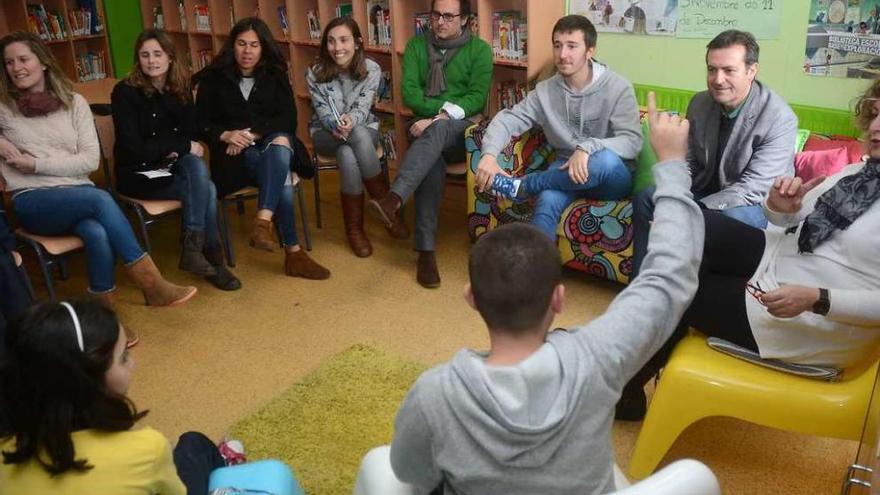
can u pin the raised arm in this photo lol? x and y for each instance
(643, 316)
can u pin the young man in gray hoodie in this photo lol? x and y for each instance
(590, 117)
(534, 413)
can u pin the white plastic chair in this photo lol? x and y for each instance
(684, 477)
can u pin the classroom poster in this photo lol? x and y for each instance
(843, 39)
(707, 18)
(654, 17)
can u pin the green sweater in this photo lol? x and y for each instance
(468, 77)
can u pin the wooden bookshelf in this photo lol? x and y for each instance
(14, 17)
(301, 49)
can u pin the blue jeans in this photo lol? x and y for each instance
(192, 186)
(643, 214)
(269, 167)
(92, 215)
(609, 180)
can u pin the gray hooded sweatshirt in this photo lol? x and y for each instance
(605, 114)
(544, 425)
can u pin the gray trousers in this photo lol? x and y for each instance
(423, 173)
(356, 156)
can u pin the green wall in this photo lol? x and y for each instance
(680, 63)
(124, 24)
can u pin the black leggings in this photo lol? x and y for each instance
(195, 456)
(731, 254)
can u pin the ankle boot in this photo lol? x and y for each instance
(263, 237)
(191, 258)
(298, 264)
(426, 270)
(386, 209)
(353, 218)
(222, 279)
(157, 291)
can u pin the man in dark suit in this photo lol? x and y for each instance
(742, 136)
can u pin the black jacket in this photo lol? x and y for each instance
(221, 107)
(148, 128)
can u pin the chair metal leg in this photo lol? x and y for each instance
(301, 199)
(317, 181)
(227, 240)
(47, 273)
(63, 272)
(142, 221)
(27, 282)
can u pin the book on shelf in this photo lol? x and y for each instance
(158, 17)
(282, 20)
(181, 11)
(314, 24)
(509, 93)
(94, 24)
(509, 30)
(344, 10)
(421, 22)
(383, 92)
(387, 132)
(378, 23)
(204, 58)
(47, 25)
(202, 18)
(90, 66)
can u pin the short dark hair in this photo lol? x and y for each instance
(576, 22)
(514, 270)
(733, 37)
(49, 388)
(464, 7)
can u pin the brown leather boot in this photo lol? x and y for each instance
(298, 264)
(386, 209)
(353, 218)
(263, 236)
(426, 270)
(157, 291)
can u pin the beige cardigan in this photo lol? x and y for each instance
(64, 143)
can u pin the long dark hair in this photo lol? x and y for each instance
(56, 81)
(271, 57)
(50, 389)
(325, 67)
(176, 81)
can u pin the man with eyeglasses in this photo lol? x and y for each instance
(446, 76)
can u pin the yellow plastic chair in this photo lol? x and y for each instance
(699, 382)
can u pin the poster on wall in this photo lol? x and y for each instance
(654, 17)
(707, 18)
(843, 39)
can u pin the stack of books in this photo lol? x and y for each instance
(203, 18)
(344, 10)
(90, 66)
(158, 17)
(383, 92)
(378, 23)
(47, 25)
(509, 30)
(282, 19)
(421, 22)
(509, 93)
(204, 58)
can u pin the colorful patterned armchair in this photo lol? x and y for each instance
(593, 236)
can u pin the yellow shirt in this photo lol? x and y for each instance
(135, 462)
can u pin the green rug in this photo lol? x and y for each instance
(323, 426)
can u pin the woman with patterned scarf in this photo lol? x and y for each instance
(806, 292)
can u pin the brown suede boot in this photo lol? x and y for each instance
(263, 237)
(378, 189)
(426, 270)
(386, 209)
(298, 264)
(353, 218)
(157, 291)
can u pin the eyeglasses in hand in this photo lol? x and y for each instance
(755, 291)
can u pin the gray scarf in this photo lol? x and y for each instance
(438, 59)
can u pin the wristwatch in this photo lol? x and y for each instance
(823, 304)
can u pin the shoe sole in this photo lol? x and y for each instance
(201, 273)
(429, 285)
(379, 214)
(261, 247)
(180, 301)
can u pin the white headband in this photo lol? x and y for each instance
(76, 325)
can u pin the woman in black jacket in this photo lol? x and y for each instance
(247, 116)
(158, 156)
